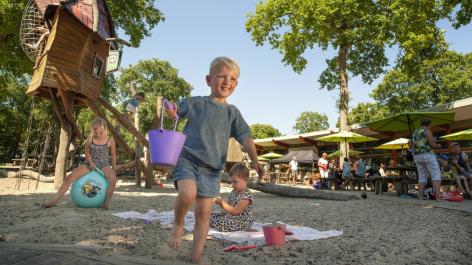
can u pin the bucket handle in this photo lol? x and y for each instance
(169, 106)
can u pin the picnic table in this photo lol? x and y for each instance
(17, 162)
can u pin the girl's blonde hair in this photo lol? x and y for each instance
(99, 123)
(228, 62)
(239, 170)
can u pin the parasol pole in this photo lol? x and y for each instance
(409, 128)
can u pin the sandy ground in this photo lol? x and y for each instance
(375, 231)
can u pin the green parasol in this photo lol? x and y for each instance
(462, 135)
(410, 121)
(339, 153)
(272, 156)
(399, 143)
(346, 137)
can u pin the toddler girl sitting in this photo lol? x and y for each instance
(239, 207)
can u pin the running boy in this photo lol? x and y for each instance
(134, 102)
(211, 122)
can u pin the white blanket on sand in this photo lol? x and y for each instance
(167, 218)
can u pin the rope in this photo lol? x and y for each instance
(42, 139)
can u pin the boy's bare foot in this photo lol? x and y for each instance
(107, 206)
(48, 205)
(248, 229)
(175, 237)
(199, 260)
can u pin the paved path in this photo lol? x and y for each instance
(34, 254)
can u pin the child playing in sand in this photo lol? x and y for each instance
(457, 173)
(97, 147)
(135, 100)
(211, 122)
(346, 173)
(238, 207)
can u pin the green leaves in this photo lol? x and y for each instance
(155, 78)
(310, 122)
(135, 17)
(260, 131)
(444, 78)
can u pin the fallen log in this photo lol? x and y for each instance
(287, 191)
(31, 174)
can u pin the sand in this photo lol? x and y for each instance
(375, 231)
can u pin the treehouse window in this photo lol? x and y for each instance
(97, 68)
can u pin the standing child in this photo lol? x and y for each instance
(346, 173)
(211, 122)
(238, 207)
(134, 103)
(97, 147)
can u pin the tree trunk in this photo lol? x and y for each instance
(66, 131)
(31, 174)
(344, 96)
(287, 191)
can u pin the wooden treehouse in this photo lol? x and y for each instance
(69, 41)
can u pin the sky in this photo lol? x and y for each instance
(196, 32)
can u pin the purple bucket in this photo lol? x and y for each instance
(165, 145)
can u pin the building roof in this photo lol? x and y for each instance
(463, 109)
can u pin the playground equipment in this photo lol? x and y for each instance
(165, 145)
(90, 189)
(68, 40)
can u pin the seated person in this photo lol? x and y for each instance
(346, 173)
(383, 171)
(238, 209)
(359, 167)
(446, 169)
(457, 173)
(392, 172)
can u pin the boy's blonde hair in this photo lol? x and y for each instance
(99, 123)
(228, 62)
(239, 170)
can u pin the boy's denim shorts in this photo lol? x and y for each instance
(207, 179)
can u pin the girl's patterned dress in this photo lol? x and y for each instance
(99, 154)
(225, 222)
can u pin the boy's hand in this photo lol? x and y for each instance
(218, 200)
(171, 112)
(260, 170)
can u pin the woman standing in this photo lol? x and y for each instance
(425, 160)
(323, 165)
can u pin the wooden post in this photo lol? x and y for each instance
(136, 143)
(156, 125)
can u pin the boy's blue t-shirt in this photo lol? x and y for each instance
(210, 125)
(135, 101)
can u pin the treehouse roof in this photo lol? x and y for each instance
(82, 9)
